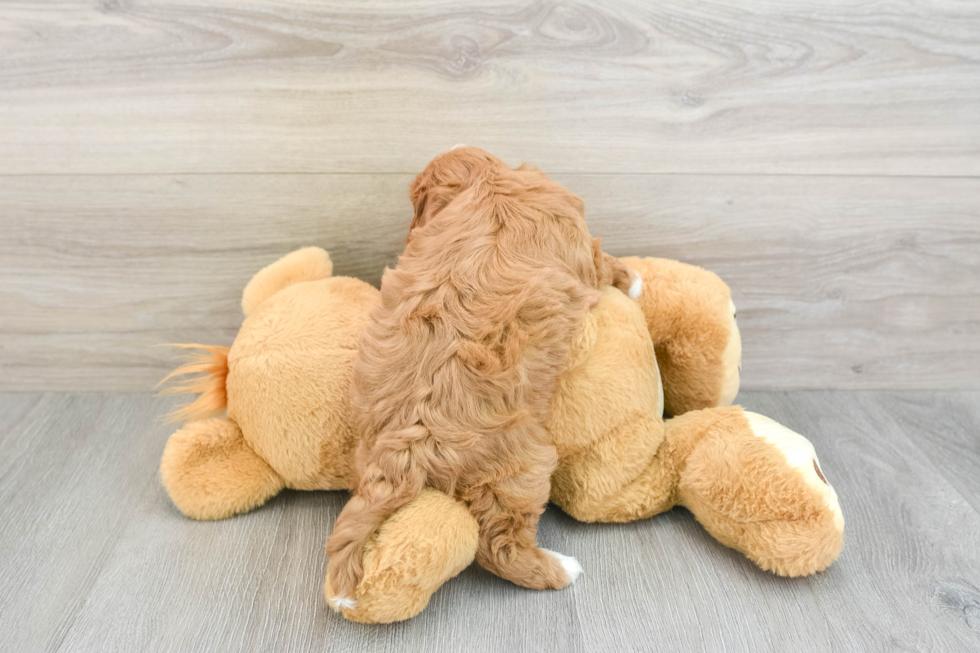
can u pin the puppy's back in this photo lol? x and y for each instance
(481, 306)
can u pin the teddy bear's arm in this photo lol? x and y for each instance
(691, 319)
(416, 550)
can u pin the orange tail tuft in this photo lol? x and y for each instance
(210, 366)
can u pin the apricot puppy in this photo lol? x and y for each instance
(457, 365)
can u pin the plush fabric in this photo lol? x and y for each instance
(691, 318)
(212, 473)
(754, 485)
(404, 565)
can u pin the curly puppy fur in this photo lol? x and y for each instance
(457, 366)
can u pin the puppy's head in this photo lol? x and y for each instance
(544, 220)
(447, 176)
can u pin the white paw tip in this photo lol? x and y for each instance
(637, 286)
(343, 602)
(570, 564)
(457, 146)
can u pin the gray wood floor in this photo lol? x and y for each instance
(94, 556)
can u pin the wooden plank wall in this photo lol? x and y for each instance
(823, 157)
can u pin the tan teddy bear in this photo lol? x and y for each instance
(753, 484)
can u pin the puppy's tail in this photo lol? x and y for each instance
(393, 476)
(210, 367)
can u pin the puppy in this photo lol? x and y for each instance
(457, 365)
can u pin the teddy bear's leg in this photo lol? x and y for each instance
(416, 550)
(757, 487)
(691, 319)
(211, 472)
(753, 484)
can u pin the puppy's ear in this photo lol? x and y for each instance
(430, 194)
(600, 266)
(445, 177)
(417, 193)
(613, 272)
(434, 188)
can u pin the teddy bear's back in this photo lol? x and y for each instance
(289, 378)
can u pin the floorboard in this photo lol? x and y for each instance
(946, 429)
(94, 556)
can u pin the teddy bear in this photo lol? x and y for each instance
(755, 485)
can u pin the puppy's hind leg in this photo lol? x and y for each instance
(507, 511)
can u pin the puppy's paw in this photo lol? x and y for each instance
(571, 566)
(636, 284)
(342, 602)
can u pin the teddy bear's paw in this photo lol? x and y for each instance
(757, 487)
(339, 603)
(571, 566)
(800, 456)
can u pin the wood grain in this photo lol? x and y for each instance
(946, 429)
(629, 86)
(74, 470)
(839, 281)
(94, 557)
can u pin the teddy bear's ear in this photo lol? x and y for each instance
(307, 264)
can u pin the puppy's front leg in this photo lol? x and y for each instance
(613, 272)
